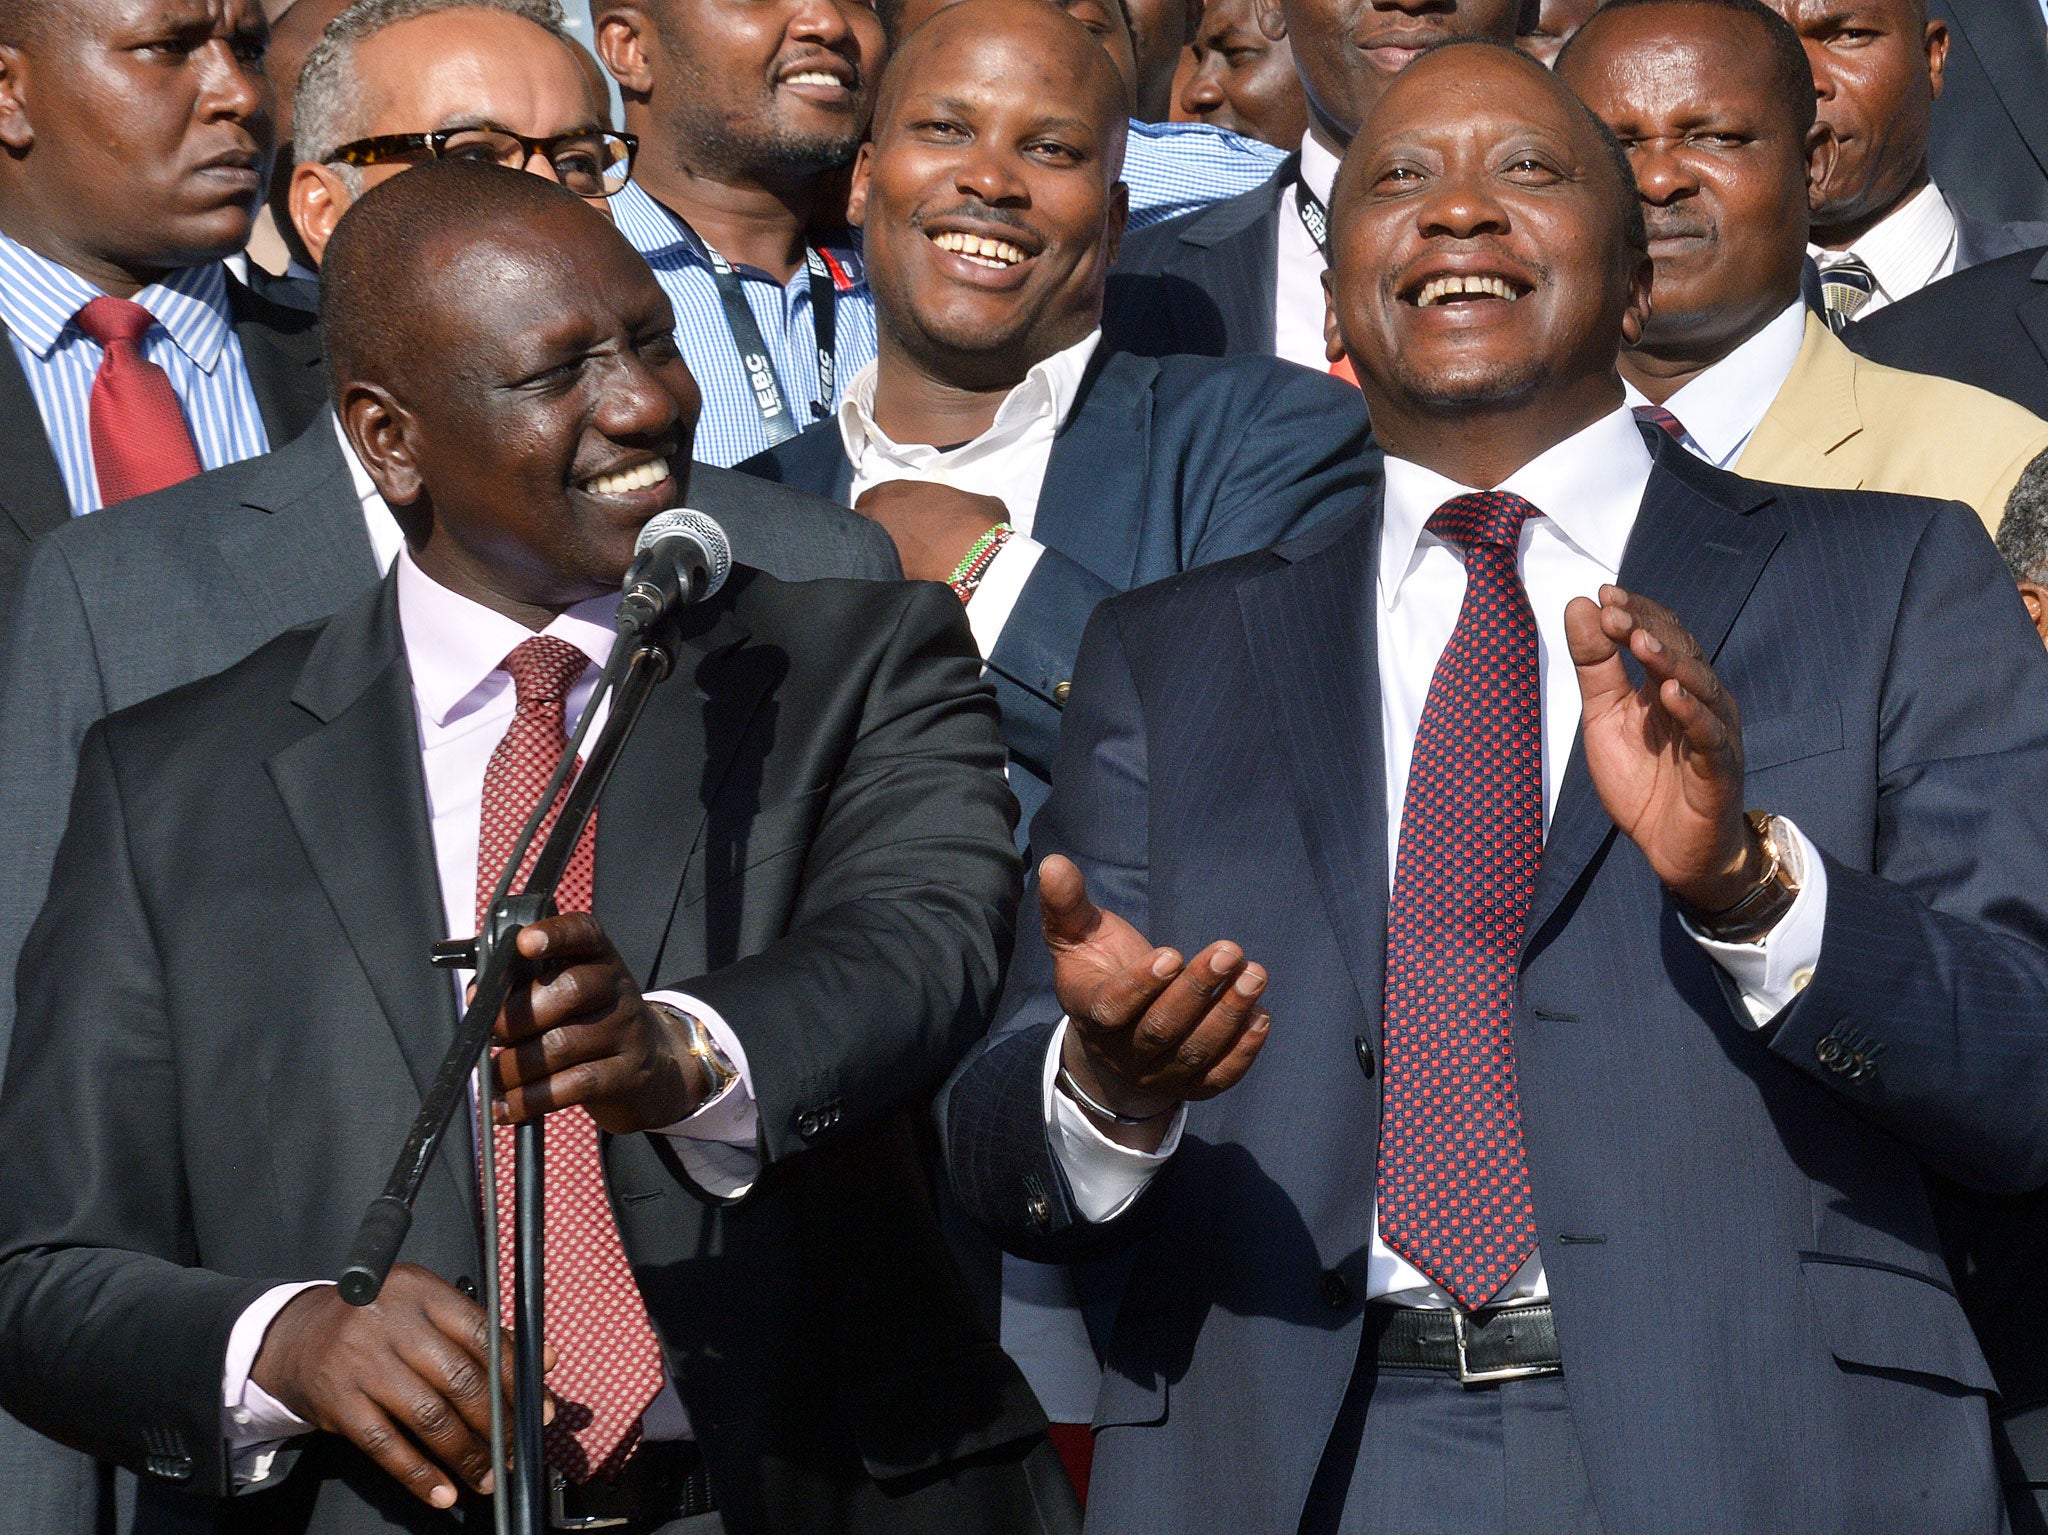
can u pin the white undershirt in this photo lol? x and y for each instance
(1589, 488)
(1298, 300)
(1722, 408)
(1910, 247)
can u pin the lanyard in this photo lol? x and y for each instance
(1315, 217)
(753, 350)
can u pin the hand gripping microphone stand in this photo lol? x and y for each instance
(682, 558)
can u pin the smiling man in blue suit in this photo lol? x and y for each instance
(1589, 885)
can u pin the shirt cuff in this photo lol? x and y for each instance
(252, 1421)
(988, 609)
(1773, 971)
(1103, 1176)
(719, 1145)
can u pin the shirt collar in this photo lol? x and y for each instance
(1318, 168)
(1722, 406)
(1045, 395)
(39, 300)
(453, 645)
(654, 232)
(1908, 247)
(1590, 487)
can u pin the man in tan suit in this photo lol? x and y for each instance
(1714, 101)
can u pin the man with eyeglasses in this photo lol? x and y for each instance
(396, 82)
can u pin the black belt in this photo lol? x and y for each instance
(665, 1480)
(1494, 1343)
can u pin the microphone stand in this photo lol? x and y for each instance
(520, 1491)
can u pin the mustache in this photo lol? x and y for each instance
(974, 209)
(1672, 224)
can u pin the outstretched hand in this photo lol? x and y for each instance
(1147, 1031)
(1666, 756)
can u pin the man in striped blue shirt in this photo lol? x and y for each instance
(137, 139)
(748, 112)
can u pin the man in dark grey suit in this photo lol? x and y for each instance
(1519, 1127)
(161, 591)
(803, 860)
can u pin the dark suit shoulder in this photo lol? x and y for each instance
(244, 711)
(790, 532)
(1251, 378)
(296, 320)
(1151, 249)
(1978, 297)
(159, 520)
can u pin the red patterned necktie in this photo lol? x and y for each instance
(140, 442)
(1658, 416)
(1453, 1182)
(610, 1362)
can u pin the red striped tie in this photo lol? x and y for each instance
(140, 442)
(610, 1366)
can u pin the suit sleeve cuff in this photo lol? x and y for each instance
(1001, 585)
(1772, 972)
(719, 1145)
(1102, 1176)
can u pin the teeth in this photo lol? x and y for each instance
(1437, 289)
(813, 77)
(979, 250)
(628, 479)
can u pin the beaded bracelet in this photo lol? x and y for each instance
(968, 573)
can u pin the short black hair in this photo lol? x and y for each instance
(1791, 76)
(377, 275)
(890, 14)
(1617, 158)
(2023, 535)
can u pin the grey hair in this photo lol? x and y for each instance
(2023, 535)
(329, 95)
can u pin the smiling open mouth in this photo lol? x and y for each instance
(1451, 288)
(624, 481)
(812, 77)
(979, 249)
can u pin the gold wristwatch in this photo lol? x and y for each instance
(703, 1048)
(1753, 917)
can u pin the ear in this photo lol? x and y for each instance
(1333, 339)
(1273, 24)
(1637, 314)
(17, 133)
(1937, 55)
(2035, 596)
(319, 197)
(1823, 149)
(382, 432)
(622, 33)
(857, 190)
(1118, 221)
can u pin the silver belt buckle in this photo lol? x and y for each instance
(559, 1517)
(1467, 1376)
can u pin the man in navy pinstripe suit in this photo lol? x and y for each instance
(1521, 1126)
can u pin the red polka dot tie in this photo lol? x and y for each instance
(140, 441)
(610, 1362)
(1453, 1182)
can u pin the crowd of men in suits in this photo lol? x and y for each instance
(1361, 844)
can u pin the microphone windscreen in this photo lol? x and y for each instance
(683, 522)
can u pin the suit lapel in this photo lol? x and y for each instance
(651, 820)
(2007, 41)
(1230, 257)
(1311, 630)
(1804, 437)
(307, 550)
(357, 798)
(1699, 544)
(281, 349)
(1099, 465)
(2033, 309)
(32, 490)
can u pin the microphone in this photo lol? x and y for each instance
(682, 557)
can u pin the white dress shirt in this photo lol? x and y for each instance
(455, 649)
(1589, 489)
(1910, 247)
(1298, 301)
(1722, 408)
(1007, 461)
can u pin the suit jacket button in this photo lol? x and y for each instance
(1336, 1291)
(1060, 690)
(807, 1124)
(1829, 1053)
(1038, 1210)
(1366, 1063)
